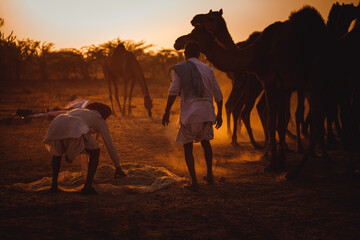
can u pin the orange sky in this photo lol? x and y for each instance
(77, 23)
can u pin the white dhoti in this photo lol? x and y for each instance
(71, 147)
(195, 132)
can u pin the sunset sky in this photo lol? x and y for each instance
(77, 23)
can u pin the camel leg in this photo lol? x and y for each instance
(116, 93)
(330, 119)
(130, 94)
(305, 126)
(125, 95)
(236, 114)
(228, 116)
(230, 105)
(299, 116)
(262, 112)
(286, 116)
(271, 97)
(316, 135)
(109, 80)
(282, 125)
(246, 119)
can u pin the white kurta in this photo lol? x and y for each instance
(78, 122)
(198, 109)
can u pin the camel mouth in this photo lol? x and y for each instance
(196, 24)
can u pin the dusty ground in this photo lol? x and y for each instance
(250, 204)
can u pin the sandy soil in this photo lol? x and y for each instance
(249, 204)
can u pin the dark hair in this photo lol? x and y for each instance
(103, 109)
(192, 49)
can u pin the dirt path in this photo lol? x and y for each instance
(249, 204)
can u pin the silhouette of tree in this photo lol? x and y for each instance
(26, 50)
(43, 54)
(8, 50)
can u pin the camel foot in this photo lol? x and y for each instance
(257, 147)
(192, 187)
(235, 144)
(349, 172)
(300, 150)
(265, 156)
(292, 175)
(288, 150)
(305, 134)
(271, 169)
(329, 161)
(281, 166)
(209, 180)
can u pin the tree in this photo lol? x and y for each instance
(43, 53)
(8, 50)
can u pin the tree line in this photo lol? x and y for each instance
(27, 59)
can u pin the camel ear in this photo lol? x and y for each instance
(220, 11)
(210, 11)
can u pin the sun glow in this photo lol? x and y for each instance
(73, 24)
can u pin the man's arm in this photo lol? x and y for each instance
(170, 102)
(218, 121)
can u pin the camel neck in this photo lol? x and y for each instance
(143, 85)
(225, 39)
(232, 60)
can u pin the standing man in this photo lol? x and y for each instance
(195, 82)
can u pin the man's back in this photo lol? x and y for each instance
(195, 109)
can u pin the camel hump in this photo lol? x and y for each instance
(307, 15)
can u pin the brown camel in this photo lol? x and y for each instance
(122, 65)
(282, 57)
(339, 20)
(246, 87)
(344, 65)
(338, 23)
(242, 99)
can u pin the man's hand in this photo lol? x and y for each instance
(170, 102)
(218, 121)
(119, 173)
(165, 119)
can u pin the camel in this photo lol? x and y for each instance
(246, 89)
(282, 57)
(241, 99)
(122, 65)
(339, 19)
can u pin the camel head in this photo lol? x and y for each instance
(340, 18)
(148, 104)
(213, 21)
(180, 42)
(200, 35)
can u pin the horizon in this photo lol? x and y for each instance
(76, 24)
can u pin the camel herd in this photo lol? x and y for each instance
(318, 60)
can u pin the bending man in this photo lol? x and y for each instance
(70, 135)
